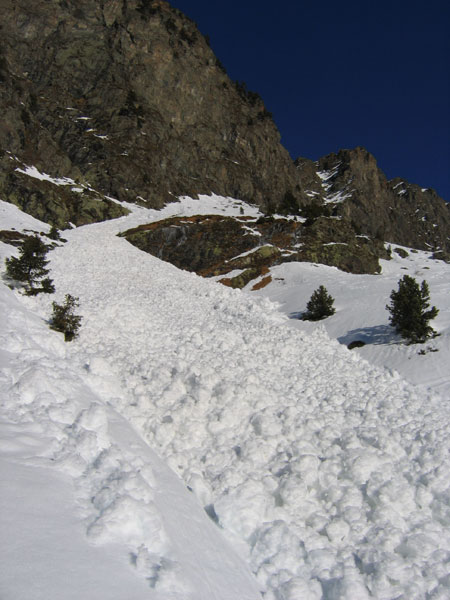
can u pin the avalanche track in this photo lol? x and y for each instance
(329, 475)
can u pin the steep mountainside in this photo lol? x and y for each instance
(396, 211)
(127, 96)
(124, 100)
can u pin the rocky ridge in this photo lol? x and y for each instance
(128, 98)
(353, 187)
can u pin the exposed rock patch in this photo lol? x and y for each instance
(214, 246)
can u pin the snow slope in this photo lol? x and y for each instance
(87, 509)
(329, 475)
(360, 302)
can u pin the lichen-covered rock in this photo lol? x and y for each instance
(61, 205)
(219, 246)
(203, 244)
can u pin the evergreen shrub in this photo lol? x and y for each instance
(319, 306)
(63, 318)
(409, 312)
(29, 269)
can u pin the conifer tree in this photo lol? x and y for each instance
(319, 306)
(54, 234)
(408, 308)
(63, 318)
(29, 268)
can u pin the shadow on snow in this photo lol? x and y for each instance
(379, 334)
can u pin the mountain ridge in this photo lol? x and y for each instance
(126, 101)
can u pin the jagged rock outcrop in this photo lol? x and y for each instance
(215, 245)
(127, 97)
(353, 186)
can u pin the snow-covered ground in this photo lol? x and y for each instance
(324, 475)
(360, 302)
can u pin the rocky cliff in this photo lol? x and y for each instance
(124, 100)
(351, 186)
(127, 97)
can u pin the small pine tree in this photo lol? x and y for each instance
(408, 308)
(29, 268)
(47, 286)
(63, 318)
(54, 234)
(319, 306)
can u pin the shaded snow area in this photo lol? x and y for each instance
(328, 476)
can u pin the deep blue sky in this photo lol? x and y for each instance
(345, 74)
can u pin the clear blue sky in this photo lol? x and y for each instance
(345, 74)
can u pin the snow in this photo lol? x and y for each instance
(326, 180)
(325, 475)
(11, 217)
(398, 185)
(361, 314)
(337, 197)
(32, 171)
(325, 176)
(88, 509)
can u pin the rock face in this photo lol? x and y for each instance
(215, 245)
(127, 97)
(353, 187)
(124, 100)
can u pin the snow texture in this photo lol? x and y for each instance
(328, 475)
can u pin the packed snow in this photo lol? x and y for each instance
(197, 442)
(33, 172)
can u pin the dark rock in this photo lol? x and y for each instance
(402, 253)
(214, 245)
(395, 211)
(56, 204)
(128, 97)
(13, 238)
(356, 344)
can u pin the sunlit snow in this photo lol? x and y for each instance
(324, 475)
(36, 174)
